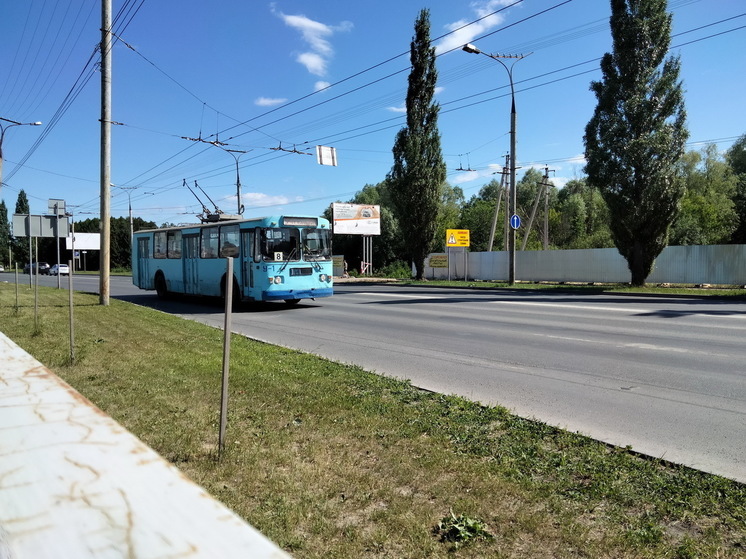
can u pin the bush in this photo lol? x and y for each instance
(397, 269)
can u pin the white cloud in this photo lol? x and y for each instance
(262, 200)
(269, 101)
(465, 35)
(316, 35)
(319, 85)
(400, 109)
(314, 63)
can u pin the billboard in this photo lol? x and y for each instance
(84, 241)
(356, 219)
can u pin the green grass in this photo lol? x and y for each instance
(329, 460)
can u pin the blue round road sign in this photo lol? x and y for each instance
(515, 221)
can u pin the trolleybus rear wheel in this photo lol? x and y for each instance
(160, 286)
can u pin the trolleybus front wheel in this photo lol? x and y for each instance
(292, 302)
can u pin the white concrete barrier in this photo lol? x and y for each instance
(75, 484)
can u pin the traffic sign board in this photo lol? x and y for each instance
(515, 221)
(457, 238)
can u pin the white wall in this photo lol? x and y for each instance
(714, 264)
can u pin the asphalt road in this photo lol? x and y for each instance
(666, 376)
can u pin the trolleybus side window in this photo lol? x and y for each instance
(174, 244)
(159, 240)
(229, 241)
(280, 244)
(209, 242)
(316, 244)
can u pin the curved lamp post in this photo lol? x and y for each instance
(513, 217)
(3, 128)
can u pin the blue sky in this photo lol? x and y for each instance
(259, 76)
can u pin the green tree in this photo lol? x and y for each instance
(708, 215)
(419, 172)
(637, 133)
(580, 218)
(451, 204)
(5, 238)
(20, 244)
(736, 158)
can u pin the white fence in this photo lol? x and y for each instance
(715, 264)
(74, 484)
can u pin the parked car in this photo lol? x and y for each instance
(43, 268)
(59, 269)
(1, 268)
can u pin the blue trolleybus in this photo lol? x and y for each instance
(279, 258)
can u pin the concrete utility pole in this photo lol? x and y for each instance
(106, 48)
(493, 228)
(513, 117)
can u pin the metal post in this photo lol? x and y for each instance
(227, 326)
(106, 48)
(70, 298)
(30, 258)
(57, 239)
(233, 152)
(513, 189)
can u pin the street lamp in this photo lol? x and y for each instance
(237, 155)
(514, 220)
(3, 128)
(128, 190)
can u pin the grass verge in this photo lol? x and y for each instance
(331, 461)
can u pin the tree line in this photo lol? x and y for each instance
(712, 211)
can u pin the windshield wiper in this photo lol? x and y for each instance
(290, 257)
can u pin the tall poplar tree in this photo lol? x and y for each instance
(638, 132)
(419, 172)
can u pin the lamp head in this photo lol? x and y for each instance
(471, 49)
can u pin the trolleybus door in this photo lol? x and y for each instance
(143, 256)
(247, 270)
(191, 264)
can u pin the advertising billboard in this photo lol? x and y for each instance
(356, 219)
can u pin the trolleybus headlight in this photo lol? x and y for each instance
(275, 279)
(323, 277)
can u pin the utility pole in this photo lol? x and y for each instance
(514, 219)
(497, 208)
(106, 48)
(547, 170)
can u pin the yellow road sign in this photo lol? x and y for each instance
(457, 238)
